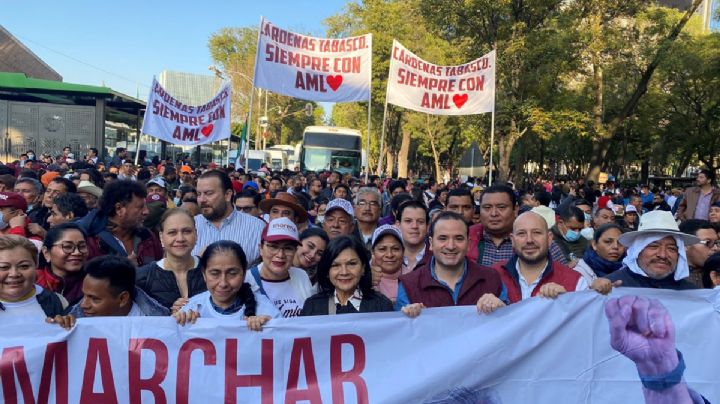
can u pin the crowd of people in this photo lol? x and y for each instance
(81, 238)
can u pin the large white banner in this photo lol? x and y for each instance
(441, 90)
(168, 119)
(310, 68)
(537, 351)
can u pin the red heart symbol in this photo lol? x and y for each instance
(334, 81)
(207, 130)
(460, 100)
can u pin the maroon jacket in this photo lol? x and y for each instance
(421, 287)
(558, 273)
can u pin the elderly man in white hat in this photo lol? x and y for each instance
(655, 254)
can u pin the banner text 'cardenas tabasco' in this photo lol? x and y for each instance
(310, 68)
(108, 370)
(421, 86)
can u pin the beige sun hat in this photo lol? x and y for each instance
(658, 222)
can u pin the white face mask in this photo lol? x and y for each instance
(587, 232)
(320, 219)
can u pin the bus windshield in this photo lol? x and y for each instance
(344, 161)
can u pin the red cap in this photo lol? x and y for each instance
(12, 199)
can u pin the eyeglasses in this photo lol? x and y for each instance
(69, 248)
(710, 243)
(245, 209)
(286, 250)
(372, 204)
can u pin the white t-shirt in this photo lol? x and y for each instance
(288, 296)
(201, 303)
(28, 309)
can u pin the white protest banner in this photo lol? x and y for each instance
(536, 351)
(168, 119)
(441, 90)
(310, 68)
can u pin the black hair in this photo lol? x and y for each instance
(691, 226)
(497, 189)
(412, 204)
(69, 185)
(597, 212)
(602, 229)
(543, 198)
(459, 192)
(314, 232)
(711, 264)
(225, 181)
(250, 193)
(334, 248)
(54, 234)
(398, 200)
(120, 191)
(245, 294)
(69, 202)
(95, 176)
(144, 174)
(708, 173)
(117, 270)
(396, 184)
(446, 215)
(25, 173)
(572, 212)
(579, 202)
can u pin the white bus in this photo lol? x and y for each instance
(331, 148)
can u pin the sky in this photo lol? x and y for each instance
(123, 44)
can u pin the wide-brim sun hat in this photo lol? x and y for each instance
(657, 222)
(287, 200)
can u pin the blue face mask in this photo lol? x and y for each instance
(572, 235)
(3, 224)
(176, 200)
(588, 218)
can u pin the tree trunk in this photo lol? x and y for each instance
(602, 145)
(436, 158)
(403, 155)
(390, 164)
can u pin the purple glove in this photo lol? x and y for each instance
(641, 329)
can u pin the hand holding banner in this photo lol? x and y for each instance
(441, 90)
(170, 120)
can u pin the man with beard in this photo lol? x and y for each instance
(531, 271)
(219, 220)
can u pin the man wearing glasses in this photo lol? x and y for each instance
(247, 202)
(367, 212)
(698, 254)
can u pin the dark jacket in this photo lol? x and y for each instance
(49, 302)
(40, 215)
(102, 242)
(632, 280)
(556, 273)
(317, 304)
(576, 248)
(421, 287)
(161, 285)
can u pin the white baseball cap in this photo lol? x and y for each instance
(281, 229)
(340, 203)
